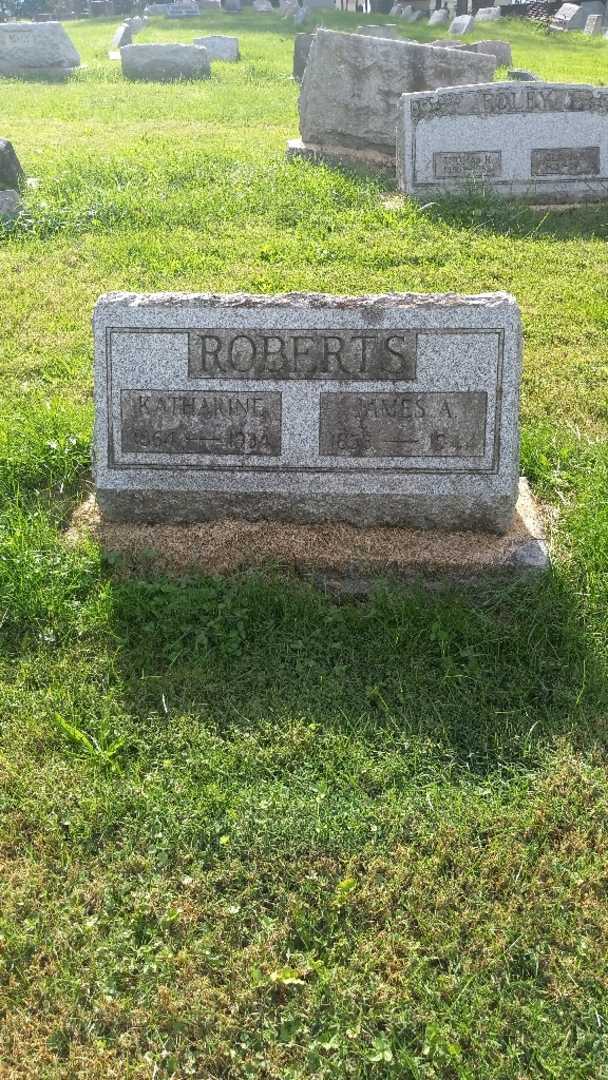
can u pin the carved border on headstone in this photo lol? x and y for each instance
(491, 468)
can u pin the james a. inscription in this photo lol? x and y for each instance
(403, 425)
(374, 409)
(553, 141)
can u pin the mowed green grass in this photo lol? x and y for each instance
(246, 832)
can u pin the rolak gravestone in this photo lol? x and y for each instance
(398, 409)
(543, 141)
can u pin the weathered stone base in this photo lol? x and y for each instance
(415, 511)
(368, 162)
(340, 557)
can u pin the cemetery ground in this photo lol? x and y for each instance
(246, 831)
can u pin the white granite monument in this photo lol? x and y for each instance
(544, 141)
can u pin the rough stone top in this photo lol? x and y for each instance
(368, 307)
(498, 99)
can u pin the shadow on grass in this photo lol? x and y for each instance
(520, 219)
(484, 681)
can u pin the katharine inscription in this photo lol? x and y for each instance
(339, 355)
(198, 422)
(450, 424)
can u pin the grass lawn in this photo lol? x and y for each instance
(246, 832)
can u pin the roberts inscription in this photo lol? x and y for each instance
(339, 355)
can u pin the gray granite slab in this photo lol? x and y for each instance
(123, 36)
(594, 25)
(164, 62)
(40, 50)
(398, 409)
(10, 205)
(462, 24)
(574, 16)
(352, 85)
(500, 49)
(220, 47)
(371, 30)
(544, 141)
(439, 17)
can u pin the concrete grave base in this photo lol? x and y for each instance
(340, 557)
(346, 157)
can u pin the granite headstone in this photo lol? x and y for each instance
(11, 173)
(462, 24)
(543, 141)
(398, 409)
(301, 49)
(37, 50)
(164, 62)
(351, 89)
(219, 47)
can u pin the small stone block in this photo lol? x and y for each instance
(10, 205)
(11, 173)
(164, 63)
(220, 47)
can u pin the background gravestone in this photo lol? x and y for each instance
(574, 16)
(501, 50)
(351, 89)
(376, 409)
(388, 31)
(301, 49)
(164, 63)
(40, 50)
(593, 25)
(10, 205)
(11, 173)
(545, 141)
(123, 36)
(463, 24)
(220, 47)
